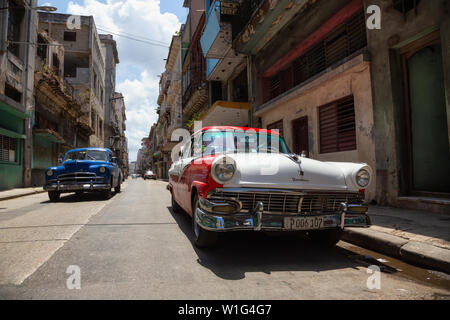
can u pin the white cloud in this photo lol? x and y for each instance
(140, 63)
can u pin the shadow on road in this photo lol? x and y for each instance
(85, 197)
(240, 252)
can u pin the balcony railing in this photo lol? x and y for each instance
(246, 10)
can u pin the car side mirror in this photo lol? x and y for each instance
(114, 159)
(304, 154)
(59, 161)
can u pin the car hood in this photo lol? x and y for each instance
(78, 166)
(275, 170)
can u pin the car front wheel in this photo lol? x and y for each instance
(54, 196)
(326, 238)
(202, 238)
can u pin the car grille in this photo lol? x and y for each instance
(291, 203)
(78, 177)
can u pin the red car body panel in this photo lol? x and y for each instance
(196, 176)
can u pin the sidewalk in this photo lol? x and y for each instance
(19, 192)
(417, 237)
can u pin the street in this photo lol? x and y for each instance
(133, 247)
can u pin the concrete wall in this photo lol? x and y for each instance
(351, 78)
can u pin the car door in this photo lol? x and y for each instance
(187, 158)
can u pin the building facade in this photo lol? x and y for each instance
(57, 114)
(17, 64)
(84, 67)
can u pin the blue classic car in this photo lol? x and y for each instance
(84, 170)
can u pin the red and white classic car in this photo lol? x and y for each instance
(234, 178)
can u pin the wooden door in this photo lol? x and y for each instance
(300, 135)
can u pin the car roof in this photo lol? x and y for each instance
(86, 149)
(224, 128)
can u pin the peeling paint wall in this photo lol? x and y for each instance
(396, 31)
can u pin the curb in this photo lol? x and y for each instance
(414, 252)
(21, 195)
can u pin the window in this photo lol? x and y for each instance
(276, 126)
(55, 64)
(70, 36)
(13, 93)
(405, 5)
(337, 126)
(15, 18)
(8, 147)
(42, 48)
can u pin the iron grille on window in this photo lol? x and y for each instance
(337, 126)
(340, 43)
(7, 149)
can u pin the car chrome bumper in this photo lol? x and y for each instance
(257, 220)
(60, 187)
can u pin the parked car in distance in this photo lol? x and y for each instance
(134, 176)
(149, 175)
(234, 178)
(84, 170)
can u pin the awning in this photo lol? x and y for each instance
(226, 113)
(12, 134)
(49, 135)
(19, 114)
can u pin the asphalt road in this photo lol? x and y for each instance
(133, 247)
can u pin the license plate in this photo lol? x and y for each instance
(303, 223)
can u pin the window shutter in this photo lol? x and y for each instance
(337, 126)
(276, 126)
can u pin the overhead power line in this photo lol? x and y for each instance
(135, 36)
(135, 39)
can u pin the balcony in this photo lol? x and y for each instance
(227, 113)
(81, 76)
(217, 39)
(265, 18)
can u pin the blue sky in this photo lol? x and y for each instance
(140, 63)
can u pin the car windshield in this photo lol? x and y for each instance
(249, 141)
(95, 155)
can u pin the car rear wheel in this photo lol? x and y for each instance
(326, 238)
(175, 206)
(54, 196)
(202, 238)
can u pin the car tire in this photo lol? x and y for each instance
(118, 187)
(54, 196)
(202, 238)
(107, 194)
(175, 206)
(326, 238)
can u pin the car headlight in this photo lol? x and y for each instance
(102, 169)
(363, 178)
(223, 169)
(49, 172)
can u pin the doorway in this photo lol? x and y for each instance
(300, 135)
(427, 144)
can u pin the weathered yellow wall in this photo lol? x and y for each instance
(352, 78)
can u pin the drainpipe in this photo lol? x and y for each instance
(28, 143)
(250, 88)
